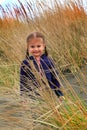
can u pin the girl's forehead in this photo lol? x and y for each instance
(36, 40)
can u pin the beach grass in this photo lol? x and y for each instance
(64, 27)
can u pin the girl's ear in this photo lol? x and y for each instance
(27, 46)
(44, 45)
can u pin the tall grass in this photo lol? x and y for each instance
(64, 27)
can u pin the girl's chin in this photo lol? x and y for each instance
(36, 55)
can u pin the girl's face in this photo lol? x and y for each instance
(36, 47)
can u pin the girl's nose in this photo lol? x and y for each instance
(36, 48)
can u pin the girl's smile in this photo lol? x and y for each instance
(36, 47)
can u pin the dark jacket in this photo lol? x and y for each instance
(47, 66)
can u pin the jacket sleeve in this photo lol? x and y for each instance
(26, 77)
(54, 79)
(54, 74)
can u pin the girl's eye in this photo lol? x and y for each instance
(32, 46)
(39, 46)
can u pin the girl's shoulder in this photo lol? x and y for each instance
(47, 59)
(24, 62)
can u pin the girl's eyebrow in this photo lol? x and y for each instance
(32, 45)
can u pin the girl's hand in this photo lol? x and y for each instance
(61, 98)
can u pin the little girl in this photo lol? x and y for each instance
(37, 54)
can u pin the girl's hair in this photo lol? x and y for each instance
(35, 35)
